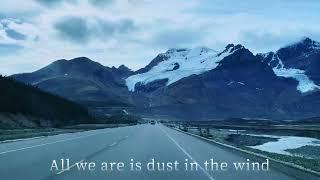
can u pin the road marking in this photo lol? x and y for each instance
(186, 153)
(44, 144)
(117, 142)
(25, 139)
(111, 145)
(70, 167)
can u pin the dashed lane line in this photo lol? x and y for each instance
(186, 153)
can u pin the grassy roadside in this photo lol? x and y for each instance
(24, 133)
(312, 164)
(14, 134)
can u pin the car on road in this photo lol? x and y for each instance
(152, 122)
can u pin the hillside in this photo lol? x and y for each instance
(27, 106)
(82, 80)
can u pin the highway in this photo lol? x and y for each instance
(32, 159)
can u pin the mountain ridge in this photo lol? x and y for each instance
(82, 80)
(298, 61)
(200, 82)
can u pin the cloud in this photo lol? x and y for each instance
(25, 9)
(49, 2)
(82, 30)
(267, 41)
(177, 38)
(73, 28)
(15, 35)
(14, 31)
(261, 42)
(126, 26)
(33, 33)
(101, 3)
(7, 49)
(55, 3)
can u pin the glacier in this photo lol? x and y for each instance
(189, 61)
(305, 84)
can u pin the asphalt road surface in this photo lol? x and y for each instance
(32, 159)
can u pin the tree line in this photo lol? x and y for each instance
(19, 98)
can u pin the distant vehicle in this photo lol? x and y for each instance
(152, 122)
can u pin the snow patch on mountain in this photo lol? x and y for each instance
(181, 63)
(305, 84)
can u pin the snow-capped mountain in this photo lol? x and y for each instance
(232, 82)
(180, 63)
(240, 84)
(197, 83)
(297, 61)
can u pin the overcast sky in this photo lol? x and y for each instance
(34, 33)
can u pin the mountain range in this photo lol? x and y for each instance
(198, 83)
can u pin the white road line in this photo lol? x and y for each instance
(113, 144)
(70, 167)
(25, 139)
(44, 144)
(186, 153)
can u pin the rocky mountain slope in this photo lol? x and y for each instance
(198, 83)
(299, 61)
(82, 80)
